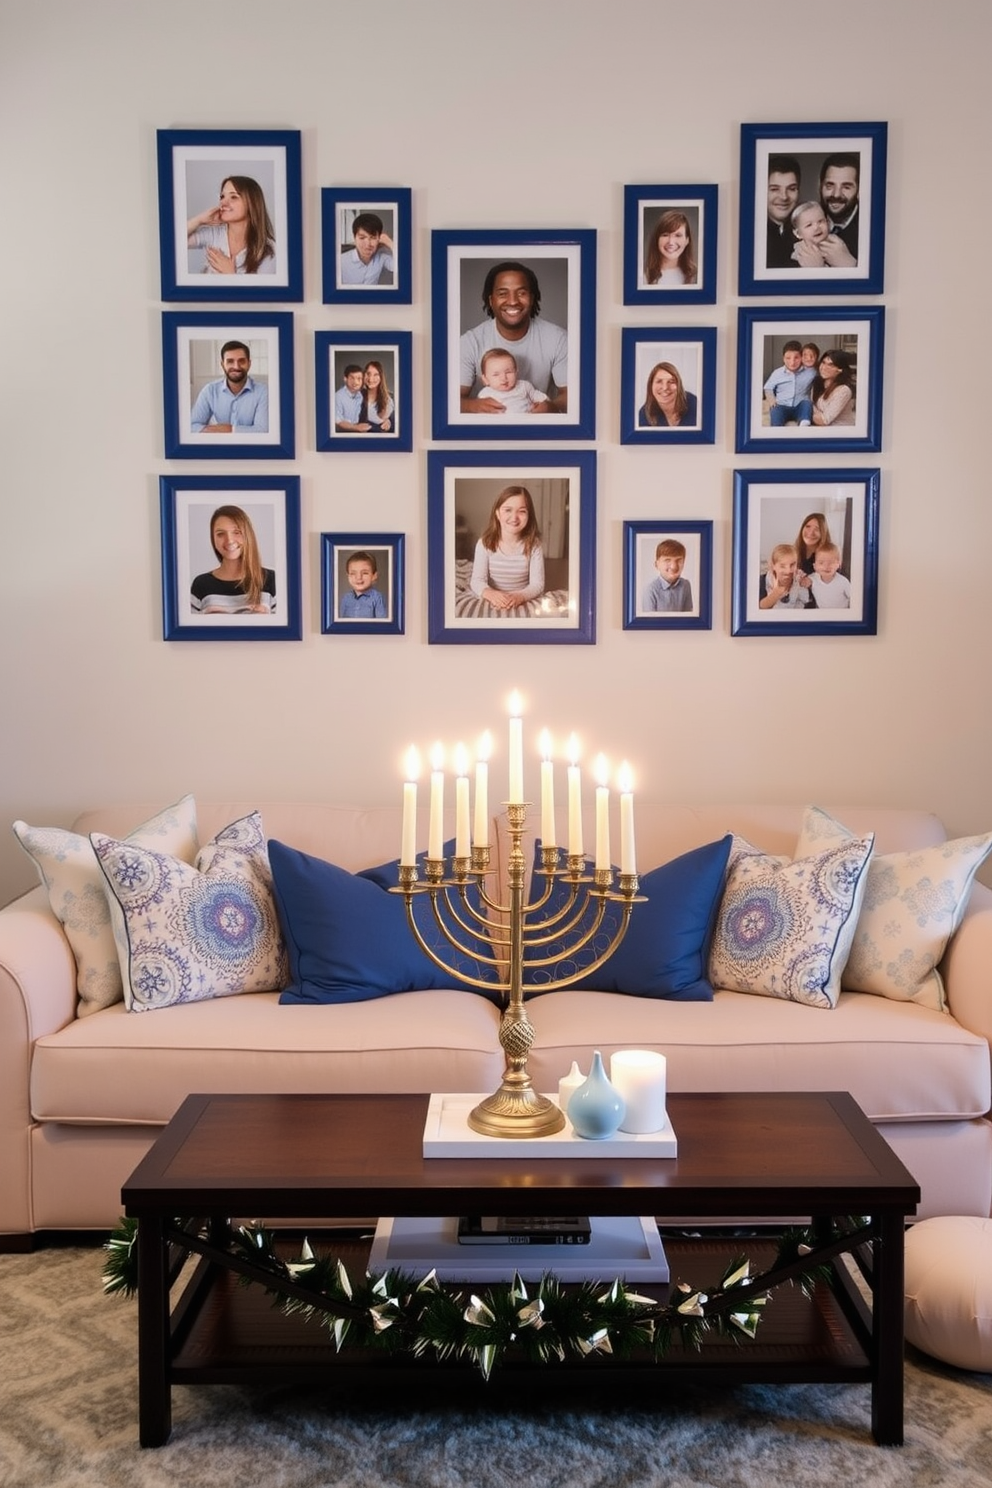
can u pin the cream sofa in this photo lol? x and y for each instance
(82, 1099)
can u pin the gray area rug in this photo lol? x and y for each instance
(68, 1420)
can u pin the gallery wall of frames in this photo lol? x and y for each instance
(511, 522)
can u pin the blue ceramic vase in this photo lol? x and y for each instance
(597, 1108)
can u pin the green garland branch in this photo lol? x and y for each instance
(543, 1323)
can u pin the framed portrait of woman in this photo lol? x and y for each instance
(230, 557)
(230, 214)
(668, 385)
(362, 583)
(669, 245)
(362, 386)
(805, 552)
(227, 385)
(511, 543)
(366, 235)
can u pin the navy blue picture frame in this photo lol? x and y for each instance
(569, 257)
(334, 550)
(807, 145)
(181, 330)
(691, 350)
(859, 329)
(337, 349)
(194, 161)
(769, 507)
(273, 505)
(640, 539)
(642, 207)
(449, 544)
(393, 204)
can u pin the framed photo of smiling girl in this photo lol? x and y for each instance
(669, 245)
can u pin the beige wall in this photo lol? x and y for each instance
(520, 115)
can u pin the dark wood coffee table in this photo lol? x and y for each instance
(335, 1157)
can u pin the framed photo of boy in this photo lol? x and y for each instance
(809, 378)
(227, 385)
(230, 557)
(668, 385)
(805, 552)
(513, 322)
(365, 245)
(669, 245)
(812, 209)
(511, 548)
(230, 214)
(667, 575)
(361, 583)
(362, 387)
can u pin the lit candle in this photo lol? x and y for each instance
(461, 802)
(482, 752)
(627, 855)
(602, 813)
(408, 839)
(435, 829)
(548, 838)
(574, 800)
(516, 795)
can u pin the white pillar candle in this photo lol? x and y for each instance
(516, 791)
(408, 839)
(435, 828)
(640, 1075)
(628, 863)
(482, 752)
(548, 835)
(602, 813)
(462, 846)
(574, 800)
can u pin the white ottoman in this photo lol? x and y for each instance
(949, 1290)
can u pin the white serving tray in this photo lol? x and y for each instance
(448, 1134)
(624, 1246)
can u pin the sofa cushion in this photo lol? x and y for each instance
(913, 903)
(785, 929)
(195, 931)
(665, 949)
(348, 937)
(71, 874)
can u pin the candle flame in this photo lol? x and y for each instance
(602, 770)
(573, 749)
(544, 743)
(484, 748)
(516, 704)
(437, 757)
(411, 763)
(461, 759)
(625, 777)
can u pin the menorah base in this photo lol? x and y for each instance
(516, 1113)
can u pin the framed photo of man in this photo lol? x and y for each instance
(361, 583)
(513, 321)
(230, 558)
(366, 235)
(362, 387)
(667, 575)
(669, 245)
(668, 385)
(812, 209)
(227, 385)
(511, 543)
(809, 378)
(230, 214)
(805, 552)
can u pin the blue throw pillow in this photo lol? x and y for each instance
(348, 939)
(665, 951)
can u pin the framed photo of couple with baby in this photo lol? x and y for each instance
(805, 558)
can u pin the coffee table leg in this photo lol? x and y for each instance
(888, 1332)
(154, 1391)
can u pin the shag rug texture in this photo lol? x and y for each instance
(68, 1419)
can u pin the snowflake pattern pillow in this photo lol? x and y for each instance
(913, 904)
(200, 931)
(785, 929)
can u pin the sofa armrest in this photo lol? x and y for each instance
(967, 965)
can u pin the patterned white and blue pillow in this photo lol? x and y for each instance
(784, 929)
(197, 931)
(914, 902)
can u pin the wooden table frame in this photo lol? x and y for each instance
(745, 1156)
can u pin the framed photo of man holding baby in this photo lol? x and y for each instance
(812, 209)
(805, 556)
